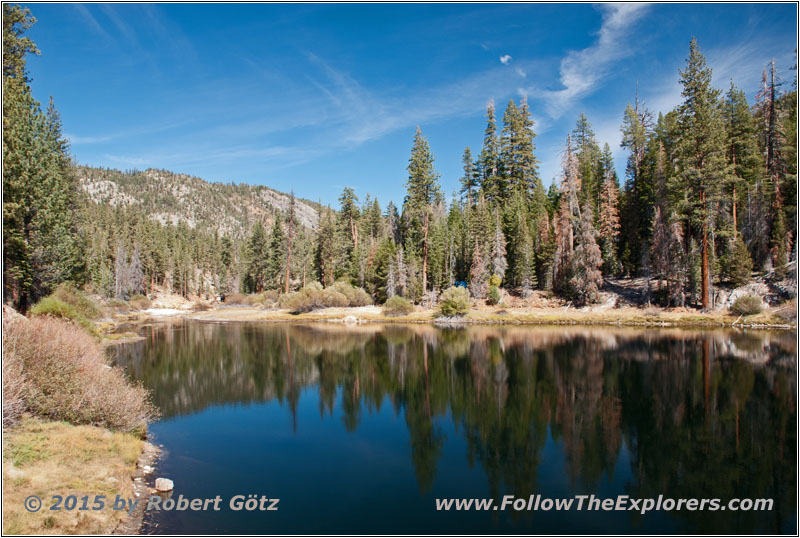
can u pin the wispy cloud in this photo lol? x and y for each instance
(520, 72)
(504, 59)
(582, 70)
(84, 12)
(75, 139)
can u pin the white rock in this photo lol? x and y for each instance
(164, 484)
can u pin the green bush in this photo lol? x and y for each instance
(454, 302)
(67, 377)
(139, 302)
(746, 305)
(56, 308)
(397, 306)
(494, 295)
(355, 296)
(82, 304)
(495, 281)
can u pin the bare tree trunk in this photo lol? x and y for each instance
(425, 254)
(704, 269)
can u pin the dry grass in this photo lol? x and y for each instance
(67, 377)
(55, 458)
(629, 316)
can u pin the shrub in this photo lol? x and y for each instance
(67, 377)
(494, 295)
(495, 281)
(14, 385)
(314, 296)
(397, 306)
(200, 306)
(746, 305)
(56, 308)
(139, 302)
(454, 302)
(235, 298)
(82, 304)
(271, 297)
(355, 296)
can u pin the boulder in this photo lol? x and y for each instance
(164, 484)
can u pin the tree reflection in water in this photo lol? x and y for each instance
(702, 413)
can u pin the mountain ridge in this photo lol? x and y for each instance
(171, 198)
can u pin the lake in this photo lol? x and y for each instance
(359, 429)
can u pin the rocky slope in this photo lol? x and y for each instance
(169, 197)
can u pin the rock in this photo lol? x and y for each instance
(350, 320)
(12, 472)
(164, 484)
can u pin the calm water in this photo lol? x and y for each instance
(359, 430)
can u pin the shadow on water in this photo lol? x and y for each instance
(407, 414)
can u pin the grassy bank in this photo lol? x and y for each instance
(72, 423)
(654, 317)
(46, 458)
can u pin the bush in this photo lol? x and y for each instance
(139, 302)
(314, 296)
(355, 296)
(397, 306)
(67, 377)
(82, 304)
(454, 302)
(746, 305)
(494, 295)
(271, 297)
(200, 306)
(56, 308)
(14, 385)
(235, 298)
(495, 281)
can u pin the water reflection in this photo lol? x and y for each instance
(699, 414)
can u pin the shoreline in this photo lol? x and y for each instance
(627, 317)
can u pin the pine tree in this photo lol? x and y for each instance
(700, 154)
(586, 276)
(478, 275)
(469, 182)
(488, 160)
(499, 262)
(256, 272)
(422, 193)
(609, 224)
(275, 259)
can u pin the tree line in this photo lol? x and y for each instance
(709, 194)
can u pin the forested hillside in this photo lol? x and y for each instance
(708, 195)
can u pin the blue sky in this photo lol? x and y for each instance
(318, 97)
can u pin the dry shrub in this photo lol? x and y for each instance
(313, 296)
(235, 298)
(747, 305)
(67, 377)
(139, 302)
(13, 386)
(271, 297)
(201, 306)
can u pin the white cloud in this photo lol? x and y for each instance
(504, 59)
(520, 72)
(582, 70)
